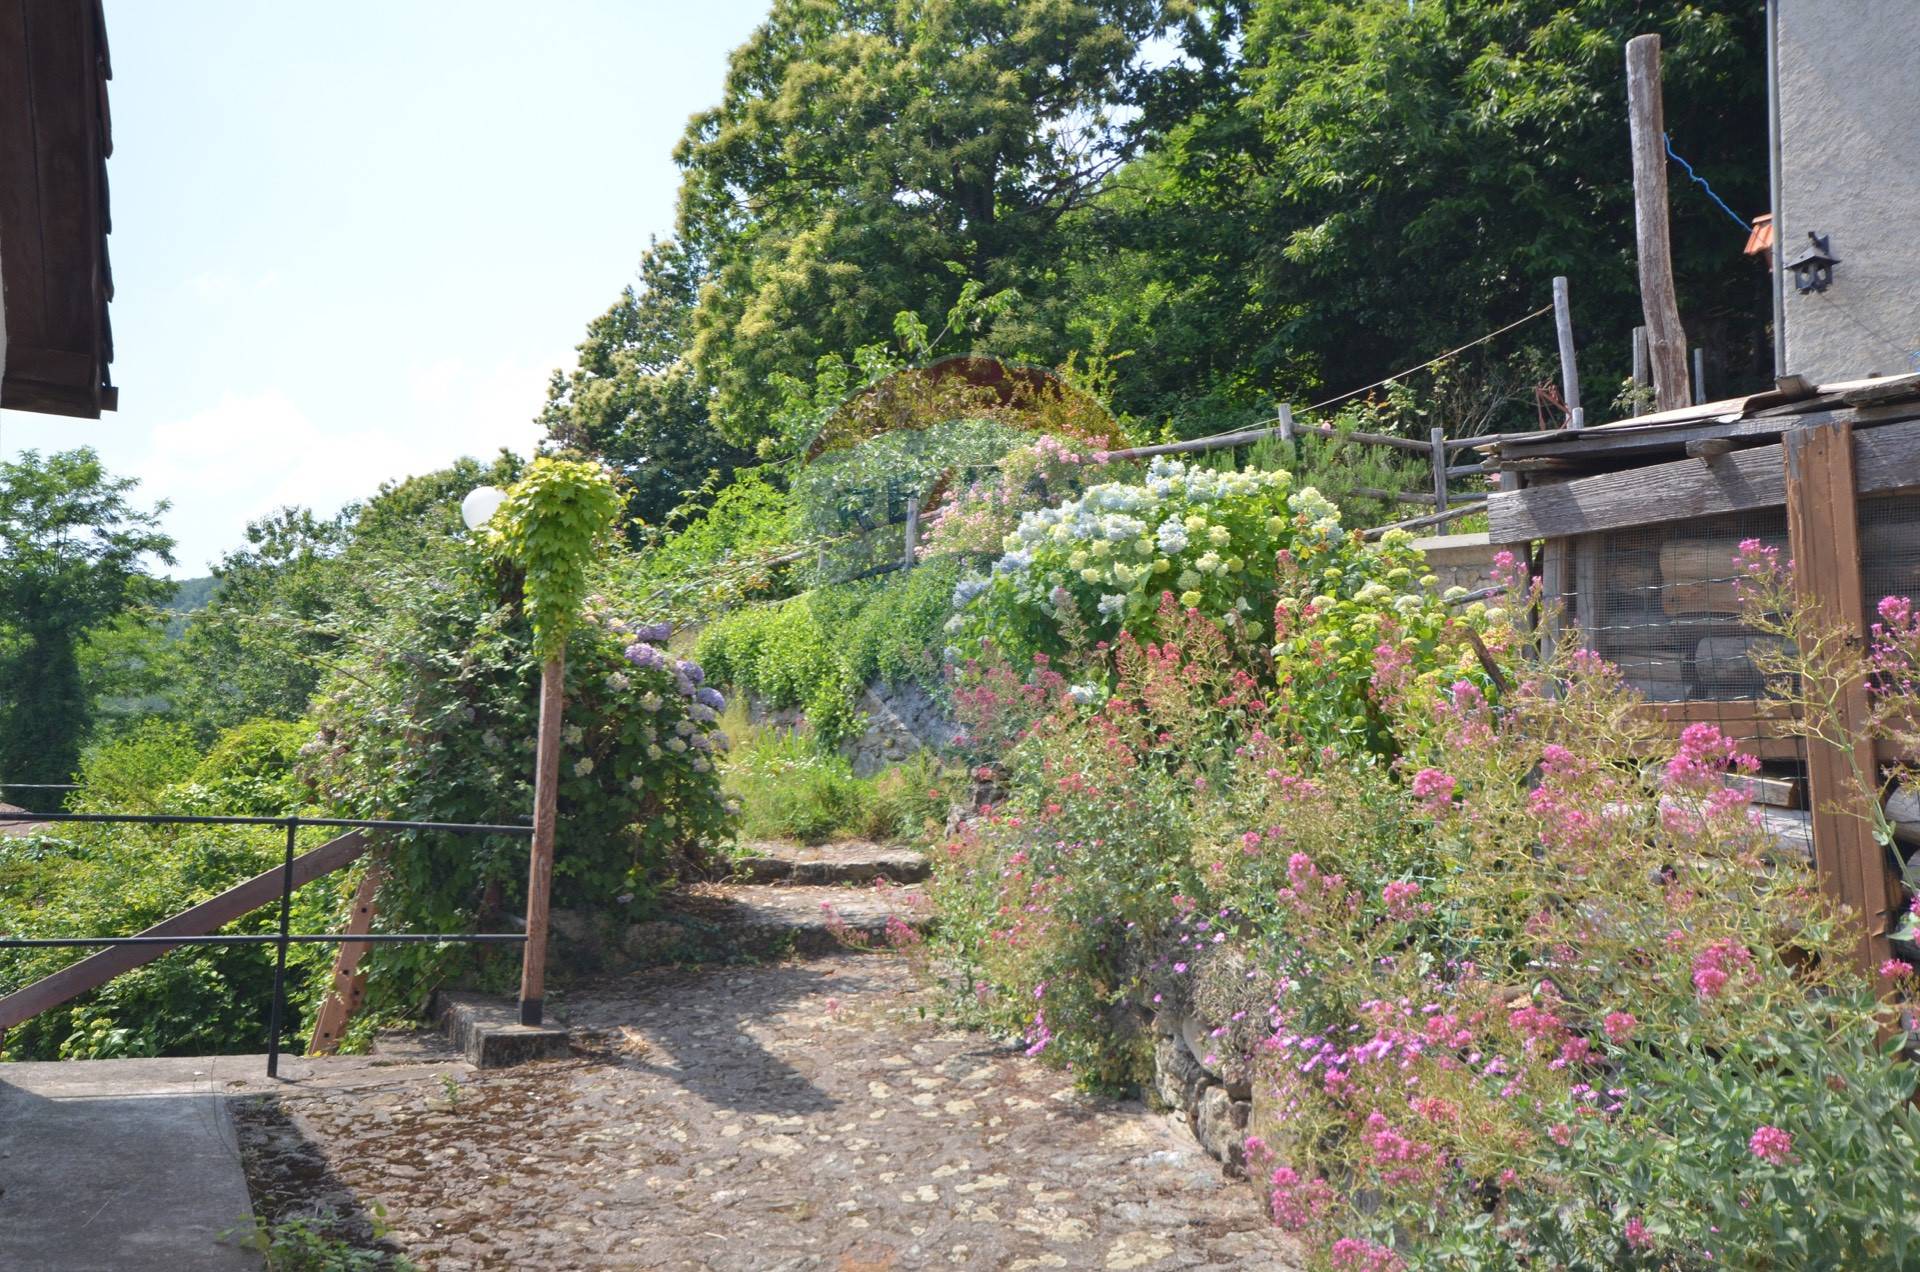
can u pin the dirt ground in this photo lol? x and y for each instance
(785, 1116)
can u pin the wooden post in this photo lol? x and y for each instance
(1699, 375)
(1569, 369)
(349, 984)
(1824, 536)
(546, 794)
(1286, 423)
(1437, 437)
(913, 531)
(1642, 374)
(1666, 339)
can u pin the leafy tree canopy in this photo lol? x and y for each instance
(862, 147)
(73, 552)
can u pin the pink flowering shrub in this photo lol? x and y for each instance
(1537, 1000)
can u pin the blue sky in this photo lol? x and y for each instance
(351, 240)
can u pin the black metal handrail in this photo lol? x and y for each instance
(285, 938)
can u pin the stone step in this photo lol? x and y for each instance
(772, 862)
(753, 921)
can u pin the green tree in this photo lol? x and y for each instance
(1336, 189)
(253, 650)
(867, 156)
(72, 552)
(632, 400)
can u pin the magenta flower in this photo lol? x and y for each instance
(1770, 1144)
(1433, 788)
(1896, 969)
(1619, 1025)
(1636, 1234)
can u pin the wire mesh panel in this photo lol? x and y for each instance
(1889, 549)
(1661, 603)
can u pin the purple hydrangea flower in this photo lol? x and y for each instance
(656, 633)
(645, 656)
(711, 697)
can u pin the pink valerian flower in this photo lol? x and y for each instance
(1636, 1233)
(1560, 1133)
(1509, 572)
(1714, 966)
(1705, 754)
(1434, 789)
(1619, 1025)
(1770, 1144)
(1297, 1203)
(1356, 1254)
(1896, 969)
(1399, 896)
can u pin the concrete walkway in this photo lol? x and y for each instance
(120, 1166)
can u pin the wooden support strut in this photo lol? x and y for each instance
(200, 920)
(349, 984)
(1824, 534)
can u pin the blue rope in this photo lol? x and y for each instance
(1702, 183)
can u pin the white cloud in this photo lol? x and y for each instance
(249, 454)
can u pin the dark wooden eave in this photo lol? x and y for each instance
(55, 136)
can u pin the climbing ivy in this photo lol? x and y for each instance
(549, 524)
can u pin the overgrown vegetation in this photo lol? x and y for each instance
(1505, 995)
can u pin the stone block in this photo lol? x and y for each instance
(488, 1030)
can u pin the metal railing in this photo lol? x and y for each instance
(285, 938)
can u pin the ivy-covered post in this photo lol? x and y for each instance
(549, 524)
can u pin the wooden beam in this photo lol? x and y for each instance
(349, 984)
(1824, 531)
(1765, 730)
(200, 920)
(1646, 120)
(1886, 458)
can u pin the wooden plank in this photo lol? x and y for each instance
(21, 261)
(1823, 528)
(1646, 121)
(349, 985)
(200, 920)
(1765, 730)
(1887, 459)
(1680, 490)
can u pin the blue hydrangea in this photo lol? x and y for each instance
(646, 657)
(711, 697)
(1172, 536)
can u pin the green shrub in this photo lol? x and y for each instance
(820, 650)
(788, 788)
(250, 769)
(130, 773)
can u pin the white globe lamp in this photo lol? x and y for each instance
(481, 503)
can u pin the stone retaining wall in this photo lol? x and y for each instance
(1217, 1100)
(1461, 560)
(900, 719)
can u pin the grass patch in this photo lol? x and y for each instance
(790, 786)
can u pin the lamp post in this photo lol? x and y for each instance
(478, 510)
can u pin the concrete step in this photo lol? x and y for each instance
(770, 862)
(756, 921)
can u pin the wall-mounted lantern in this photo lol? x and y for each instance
(1813, 268)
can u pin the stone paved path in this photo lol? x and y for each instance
(789, 1116)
